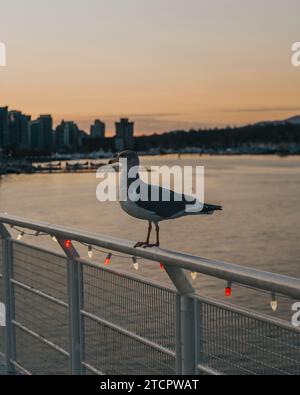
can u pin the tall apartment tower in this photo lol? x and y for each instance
(35, 131)
(124, 139)
(47, 135)
(98, 129)
(67, 136)
(4, 129)
(18, 129)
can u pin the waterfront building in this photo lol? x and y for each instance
(4, 131)
(98, 129)
(67, 136)
(124, 139)
(46, 123)
(18, 130)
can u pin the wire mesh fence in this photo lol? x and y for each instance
(40, 310)
(131, 318)
(240, 344)
(130, 326)
(1, 299)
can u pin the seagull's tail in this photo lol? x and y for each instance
(210, 208)
(217, 208)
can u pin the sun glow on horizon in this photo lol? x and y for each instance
(166, 65)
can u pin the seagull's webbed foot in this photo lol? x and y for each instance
(142, 244)
(157, 245)
(145, 244)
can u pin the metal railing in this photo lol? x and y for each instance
(67, 315)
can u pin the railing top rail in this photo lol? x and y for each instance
(285, 285)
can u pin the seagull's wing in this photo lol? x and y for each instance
(175, 205)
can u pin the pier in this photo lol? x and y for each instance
(69, 315)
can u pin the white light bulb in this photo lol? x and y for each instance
(54, 239)
(90, 252)
(135, 263)
(20, 235)
(274, 303)
(194, 275)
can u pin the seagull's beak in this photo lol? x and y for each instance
(114, 162)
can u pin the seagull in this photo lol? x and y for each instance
(149, 210)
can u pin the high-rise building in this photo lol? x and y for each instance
(18, 129)
(46, 131)
(124, 139)
(4, 131)
(67, 136)
(40, 133)
(35, 135)
(98, 129)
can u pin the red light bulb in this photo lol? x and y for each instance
(228, 291)
(162, 266)
(107, 260)
(68, 244)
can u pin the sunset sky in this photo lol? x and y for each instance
(164, 63)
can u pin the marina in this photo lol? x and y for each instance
(23, 167)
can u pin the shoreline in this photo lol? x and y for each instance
(85, 165)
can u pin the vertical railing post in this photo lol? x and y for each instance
(185, 323)
(188, 336)
(10, 334)
(199, 332)
(75, 296)
(178, 334)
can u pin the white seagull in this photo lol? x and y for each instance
(152, 211)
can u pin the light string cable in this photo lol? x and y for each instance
(135, 261)
(23, 233)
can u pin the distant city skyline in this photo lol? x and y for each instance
(165, 64)
(153, 123)
(147, 124)
(20, 133)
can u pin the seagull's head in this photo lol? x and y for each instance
(131, 157)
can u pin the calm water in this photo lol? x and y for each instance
(259, 227)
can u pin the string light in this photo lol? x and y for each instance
(90, 252)
(228, 289)
(20, 236)
(68, 244)
(194, 275)
(108, 259)
(274, 303)
(135, 263)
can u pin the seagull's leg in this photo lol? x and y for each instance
(147, 242)
(149, 233)
(157, 235)
(157, 244)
